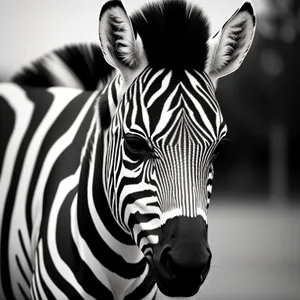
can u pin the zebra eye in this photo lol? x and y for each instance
(136, 145)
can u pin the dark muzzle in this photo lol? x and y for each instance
(182, 259)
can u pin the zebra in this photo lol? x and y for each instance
(105, 192)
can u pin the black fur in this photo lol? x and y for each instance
(85, 60)
(174, 34)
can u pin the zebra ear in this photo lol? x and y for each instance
(228, 48)
(122, 47)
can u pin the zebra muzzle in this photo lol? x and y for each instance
(182, 259)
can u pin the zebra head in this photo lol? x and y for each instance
(164, 135)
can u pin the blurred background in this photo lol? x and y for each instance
(254, 218)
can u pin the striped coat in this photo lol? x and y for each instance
(104, 193)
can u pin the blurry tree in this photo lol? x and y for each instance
(262, 98)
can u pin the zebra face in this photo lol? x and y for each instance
(170, 124)
(163, 138)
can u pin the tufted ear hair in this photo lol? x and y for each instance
(228, 48)
(122, 47)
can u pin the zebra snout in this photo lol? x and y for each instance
(183, 258)
(182, 273)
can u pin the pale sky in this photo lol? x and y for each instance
(31, 28)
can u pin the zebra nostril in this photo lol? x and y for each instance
(166, 261)
(170, 265)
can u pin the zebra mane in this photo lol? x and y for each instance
(80, 66)
(174, 34)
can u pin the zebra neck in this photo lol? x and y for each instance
(99, 240)
(93, 212)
